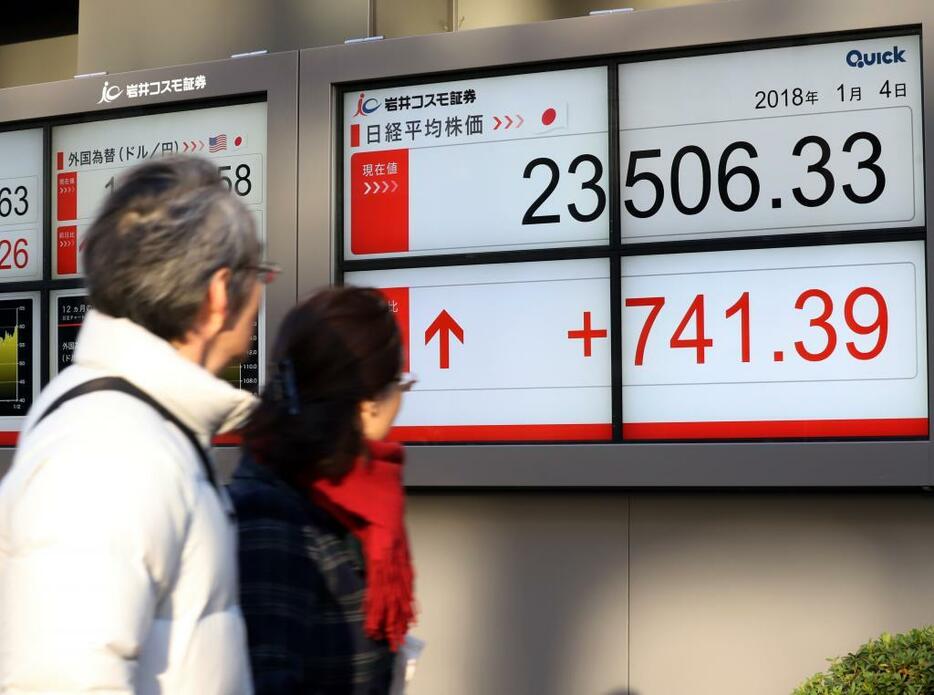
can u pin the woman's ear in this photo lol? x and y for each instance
(369, 417)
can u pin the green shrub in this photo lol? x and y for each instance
(890, 665)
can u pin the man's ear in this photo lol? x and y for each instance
(216, 303)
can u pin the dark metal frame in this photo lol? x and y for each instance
(613, 39)
(272, 79)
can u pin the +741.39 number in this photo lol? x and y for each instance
(807, 301)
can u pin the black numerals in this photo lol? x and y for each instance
(820, 167)
(869, 164)
(676, 180)
(591, 184)
(724, 175)
(632, 178)
(530, 217)
(14, 201)
(241, 184)
(813, 150)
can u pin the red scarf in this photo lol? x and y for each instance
(370, 502)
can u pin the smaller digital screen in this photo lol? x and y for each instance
(89, 158)
(21, 205)
(811, 138)
(804, 342)
(19, 353)
(69, 307)
(484, 164)
(509, 352)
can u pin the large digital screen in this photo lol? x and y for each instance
(497, 163)
(21, 205)
(783, 294)
(809, 138)
(89, 158)
(503, 352)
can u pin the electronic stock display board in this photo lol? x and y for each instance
(88, 159)
(705, 252)
(65, 147)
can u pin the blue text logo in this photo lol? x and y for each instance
(859, 59)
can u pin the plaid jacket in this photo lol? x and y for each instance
(301, 590)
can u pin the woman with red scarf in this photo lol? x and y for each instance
(326, 580)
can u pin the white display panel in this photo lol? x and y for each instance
(87, 158)
(21, 205)
(809, 138)
(824, 341)
(503, 352)
(485, 164)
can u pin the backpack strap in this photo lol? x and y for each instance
(114, 383)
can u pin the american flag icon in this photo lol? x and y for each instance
(217, 143)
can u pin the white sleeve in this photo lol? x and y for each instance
(97, 533)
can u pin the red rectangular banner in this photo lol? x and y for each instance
(501, 433)
(67, 250)
(379, 201)
(777, 429)
(67, 196)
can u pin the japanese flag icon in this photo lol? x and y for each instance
(238, 141)
(551, 116)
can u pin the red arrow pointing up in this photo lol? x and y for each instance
(445, 325)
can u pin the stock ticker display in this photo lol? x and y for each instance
(752, 178)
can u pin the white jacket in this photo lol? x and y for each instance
(118, 559)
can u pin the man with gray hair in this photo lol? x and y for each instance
(117, 547)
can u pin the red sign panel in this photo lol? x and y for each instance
(67, 249)
(379, 183)
(67, 196)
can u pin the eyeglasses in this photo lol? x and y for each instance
(406, 381)
(266, 270)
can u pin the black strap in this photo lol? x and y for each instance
(115, 383)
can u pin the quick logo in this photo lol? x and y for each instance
(858, 59)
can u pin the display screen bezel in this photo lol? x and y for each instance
(615, 250)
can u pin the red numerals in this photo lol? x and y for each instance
(656, 304)
(880, 324)
(810, 300)
(819, 322)
(699, 342)
(14, 254)
(742, 308)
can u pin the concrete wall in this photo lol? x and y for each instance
(477, 14)
(120, 35)
(46, 60)
(661, 593)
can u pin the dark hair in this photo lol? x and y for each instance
(336, 349)
(158, 238)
